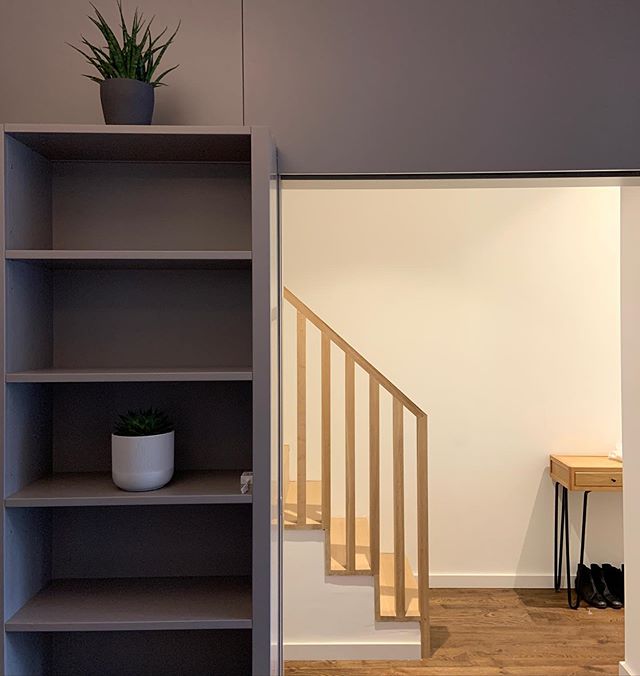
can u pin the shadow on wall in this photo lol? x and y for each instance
(603, 540)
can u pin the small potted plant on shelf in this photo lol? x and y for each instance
(128, 72)
(142, 450)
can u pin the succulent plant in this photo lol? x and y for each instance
(137, 58)
(143, 423)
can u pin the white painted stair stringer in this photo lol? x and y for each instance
(333, 617)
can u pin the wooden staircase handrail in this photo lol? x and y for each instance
(352, 352)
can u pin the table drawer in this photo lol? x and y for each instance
(598, 479)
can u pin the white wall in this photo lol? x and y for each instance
(630, 221)
(497, 311)
(333, 618)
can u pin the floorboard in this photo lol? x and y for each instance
(501, 632)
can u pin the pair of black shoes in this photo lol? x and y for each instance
(601, 586)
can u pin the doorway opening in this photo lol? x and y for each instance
(491, 306)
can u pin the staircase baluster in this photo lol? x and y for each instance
(398, 508)
(423, 534)
(350, 461)
(301, 470)
(326, 430)
(374, 474)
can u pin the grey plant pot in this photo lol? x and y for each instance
(126, 101)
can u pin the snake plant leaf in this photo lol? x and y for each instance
(131, 45)
(86, 56)
(109, 36)
(161, 52)
(157, 37)
(135, 61)
(169, 40)
(98, 52)
(103, 58)
(102, 66)
(114, 48)
(103, 23)
(123, 23)
(157, 82)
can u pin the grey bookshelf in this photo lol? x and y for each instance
(140, 267)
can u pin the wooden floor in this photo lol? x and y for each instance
(506, 632)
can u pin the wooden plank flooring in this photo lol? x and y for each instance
(502, 632)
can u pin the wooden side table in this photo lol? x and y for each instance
(585, 473)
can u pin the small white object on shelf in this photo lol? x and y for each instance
(617, 453)
(246, 482)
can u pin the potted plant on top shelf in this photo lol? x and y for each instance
(128, 72)
(142, 450)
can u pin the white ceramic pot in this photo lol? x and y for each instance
(142, 463)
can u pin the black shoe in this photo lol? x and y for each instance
(586, 588)
(614, 577)
(601, 585)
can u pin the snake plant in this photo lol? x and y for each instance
(136, 55)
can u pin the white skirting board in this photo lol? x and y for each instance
(626, 671)
(493, 581)
(351, 651)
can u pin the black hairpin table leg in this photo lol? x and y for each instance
(562, 542)
(565, 516)
(557, 546)
(583, 535)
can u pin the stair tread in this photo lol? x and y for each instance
(314, 508)
(385, 588)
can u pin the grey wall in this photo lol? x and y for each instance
(40, 76)
(445, 85)
(368, 85)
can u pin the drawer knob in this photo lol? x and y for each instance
(614, 480)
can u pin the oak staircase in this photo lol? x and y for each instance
(352, 542)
